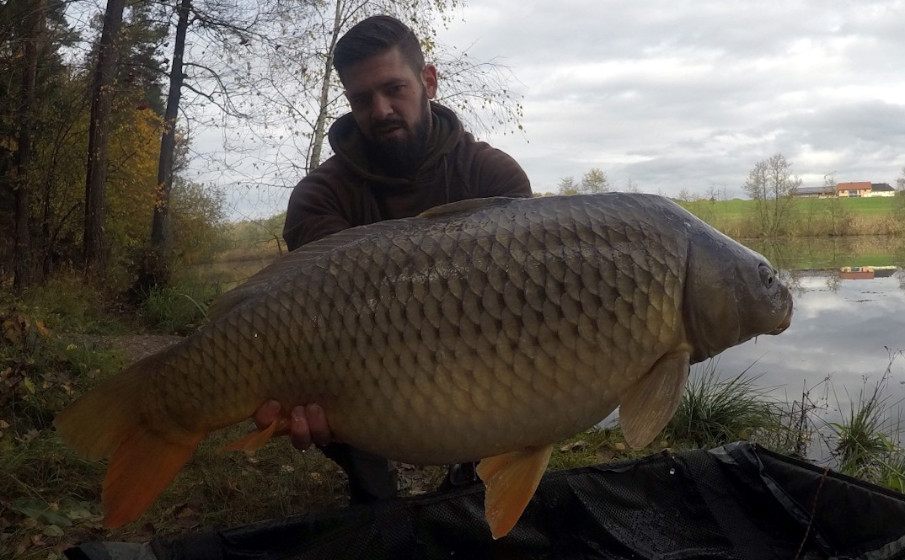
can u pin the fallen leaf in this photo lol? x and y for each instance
(45, 332)
(605, 454)
(80, 514)
(574, 446)
(53, 531)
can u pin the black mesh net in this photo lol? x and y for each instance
(735, 502)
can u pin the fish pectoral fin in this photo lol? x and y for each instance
(511, 480)
(651, 402)
(255, 440)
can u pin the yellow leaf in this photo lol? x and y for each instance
(45, 332)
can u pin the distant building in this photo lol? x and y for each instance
(881, 189)
(853, 189)
(857, 189)
(856, 273)
(815, 192)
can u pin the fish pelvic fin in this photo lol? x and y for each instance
(107, 422)
(255, 440)
(511, 480)
(651, 402)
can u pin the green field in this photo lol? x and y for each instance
(808, 217)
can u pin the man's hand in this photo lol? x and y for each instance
(307, 424)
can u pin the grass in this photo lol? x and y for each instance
(809, 253)
(180, 308)
(714, 411)
(866, 439)
(810, 217)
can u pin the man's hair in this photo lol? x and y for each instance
(374, 36)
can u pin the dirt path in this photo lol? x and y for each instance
(132, 346)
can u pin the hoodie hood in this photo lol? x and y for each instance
(347, 142)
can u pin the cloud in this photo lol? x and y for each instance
(688, 95)
(679, 95)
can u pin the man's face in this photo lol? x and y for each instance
(389, 103)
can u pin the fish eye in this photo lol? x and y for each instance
(767, 276)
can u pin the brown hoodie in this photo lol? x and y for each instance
(348, 190)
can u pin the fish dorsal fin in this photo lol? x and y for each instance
(467, 205)
(511, 480)
(651, 402)
(281, 270)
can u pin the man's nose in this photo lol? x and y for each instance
(382, 108)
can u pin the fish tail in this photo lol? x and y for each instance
(107, 421)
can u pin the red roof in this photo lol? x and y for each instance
(860, 186)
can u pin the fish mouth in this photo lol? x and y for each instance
(784, 325)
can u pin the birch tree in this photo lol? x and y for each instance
(295, 94)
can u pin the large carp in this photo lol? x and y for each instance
(485, 329)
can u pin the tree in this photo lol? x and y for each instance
(595, 181)
(686, 195)
(23, 266)
(771, 185)
(102, 91)
(293, 104)
(159, 224)
(900, 181)
(219, 26)
(631, 186)
(567, 186)
(198, 217)
(33, 119)
(837, 215)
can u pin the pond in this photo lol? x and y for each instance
(847, 332)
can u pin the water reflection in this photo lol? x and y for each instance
(847, 328)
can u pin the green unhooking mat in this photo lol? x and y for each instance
(735, 502)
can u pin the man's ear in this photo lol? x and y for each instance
(429, 79)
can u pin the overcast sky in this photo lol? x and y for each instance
(690, 95)
(680, 95)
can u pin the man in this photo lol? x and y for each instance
(397, 155)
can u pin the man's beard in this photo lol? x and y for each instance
(403, 156)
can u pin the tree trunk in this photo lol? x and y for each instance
(320, 125)
(160, 230)
(23, 265)
(95, 241)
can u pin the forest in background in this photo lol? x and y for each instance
(100, 106)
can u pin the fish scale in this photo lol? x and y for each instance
(466, 310)
(482, 329)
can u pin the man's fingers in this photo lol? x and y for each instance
(299, 431)
(306, 425)
(317, 424)
(267, 414)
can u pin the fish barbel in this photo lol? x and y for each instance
(485, 329)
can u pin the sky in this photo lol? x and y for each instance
(686, 97)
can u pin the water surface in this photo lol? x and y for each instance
(847, 331)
